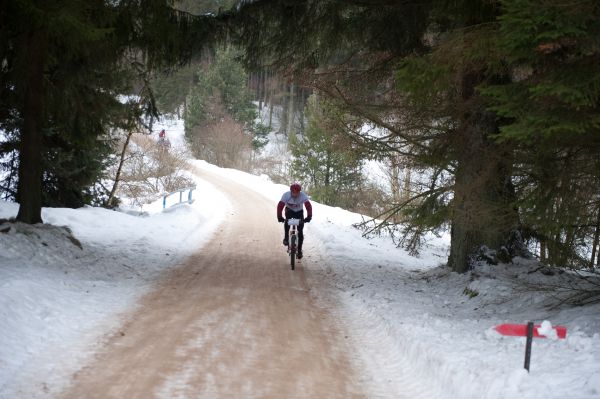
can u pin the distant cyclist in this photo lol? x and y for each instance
(163, 141)
(294, 201)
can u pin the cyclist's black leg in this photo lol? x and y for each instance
(301, 233)
(286, 230)
(286, 226)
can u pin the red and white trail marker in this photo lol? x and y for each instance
(530, 331)
(520, 330)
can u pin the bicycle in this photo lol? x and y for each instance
(293, 240)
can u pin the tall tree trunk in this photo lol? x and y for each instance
(291, 110)
(327, 179)
(269, 97)
(394, 176)
(596, 241)
(405, 194)
(543, 251)
(30, 150)
(113, 191)
(301, 105)
(482, 214)
(261, 88)
(283, 100)
(406, 187)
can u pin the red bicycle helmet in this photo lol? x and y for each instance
(296, 187)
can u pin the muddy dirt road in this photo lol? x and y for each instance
(233, 322)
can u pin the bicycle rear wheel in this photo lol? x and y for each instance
(293, 251)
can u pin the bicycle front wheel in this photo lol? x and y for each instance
(293, 251)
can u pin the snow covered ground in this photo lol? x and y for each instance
(422, 331)
(417, 326)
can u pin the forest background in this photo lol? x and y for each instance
(485, 114)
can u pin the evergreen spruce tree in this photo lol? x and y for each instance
(172, 89)
(326, 160)
(550, 110)
(60, 80)
(222, 91)
(440, 89)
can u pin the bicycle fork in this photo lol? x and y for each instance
(292, 247)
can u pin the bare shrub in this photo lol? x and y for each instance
(223, 143)
(151, 170)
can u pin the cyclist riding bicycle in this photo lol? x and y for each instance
(294, 201)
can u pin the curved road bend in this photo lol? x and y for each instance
(232, 322)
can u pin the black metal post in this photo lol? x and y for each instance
(528, 345)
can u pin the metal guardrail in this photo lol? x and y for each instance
(180, 191)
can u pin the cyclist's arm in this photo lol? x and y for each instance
(280, 206)
(308, 207)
